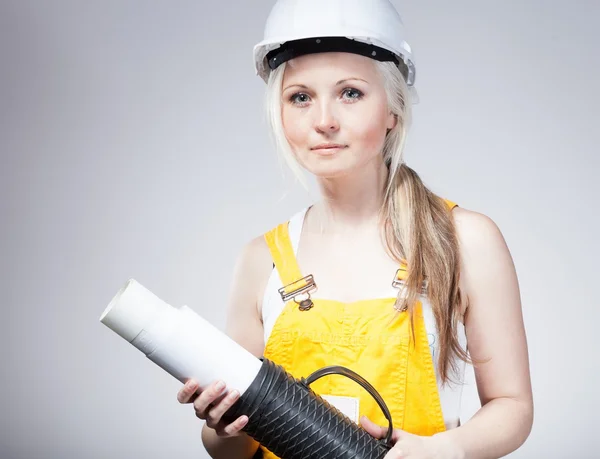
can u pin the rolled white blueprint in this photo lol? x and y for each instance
(179, 340)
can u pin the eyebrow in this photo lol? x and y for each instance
(337, 84)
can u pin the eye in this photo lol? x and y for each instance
(352, 94)
(299, 98)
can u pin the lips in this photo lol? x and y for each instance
(328, 146)
(327, 149)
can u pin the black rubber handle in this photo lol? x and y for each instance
(287, 417)
(339, 370)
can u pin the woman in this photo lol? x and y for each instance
(340, 84)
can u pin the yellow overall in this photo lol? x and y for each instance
(360, 336)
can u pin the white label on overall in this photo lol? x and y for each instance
(347, 405)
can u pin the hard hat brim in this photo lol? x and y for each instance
(262, 49)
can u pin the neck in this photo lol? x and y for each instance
(352, 201)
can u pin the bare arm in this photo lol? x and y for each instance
(496, 334)
(244, 325)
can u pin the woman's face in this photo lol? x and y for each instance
(335, 113)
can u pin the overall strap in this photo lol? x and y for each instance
(282, 251)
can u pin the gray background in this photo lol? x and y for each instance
(133, 145)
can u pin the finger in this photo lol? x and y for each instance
(188, 390)
(235, 426)
(207, 397)
(375, 430)
(378, 431)
(217, 412)
(212, 412)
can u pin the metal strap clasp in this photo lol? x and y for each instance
(399, 282)
(300, 291)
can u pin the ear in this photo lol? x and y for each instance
(392, 121)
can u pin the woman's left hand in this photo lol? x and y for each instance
(410, 446)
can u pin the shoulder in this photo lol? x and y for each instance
(476, 232)
(472, 224)
(256, 255)
(485, 258)
(254, 251)
(254, 265)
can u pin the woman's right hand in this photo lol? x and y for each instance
(210, 405)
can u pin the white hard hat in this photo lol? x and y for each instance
(369, 27)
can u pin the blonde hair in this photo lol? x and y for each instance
(417, 224)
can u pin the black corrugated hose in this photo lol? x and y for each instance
(288, 418)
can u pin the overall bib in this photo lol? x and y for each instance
(363, 337)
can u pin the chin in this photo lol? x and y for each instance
(332, 166)
(323, 169)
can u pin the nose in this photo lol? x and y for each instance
(326, 120)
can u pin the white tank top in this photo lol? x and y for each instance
(450, 393)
